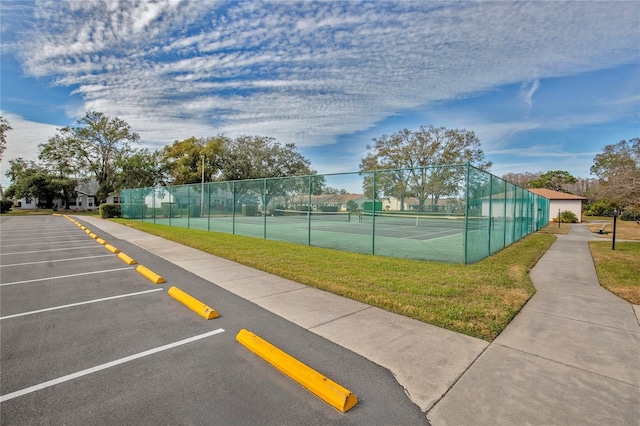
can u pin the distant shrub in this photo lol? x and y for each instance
(631, 214)
(170, 209)
(194, 210)
(278, 210)
(5, 206)
(133, 211)
(329, 209)
(250, 210)
(601, 208)
(109, 210)
(568, 217)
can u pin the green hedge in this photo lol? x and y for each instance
(5, 206)
(631, 214)
(109, 210)
(568, 217)
(250, 210)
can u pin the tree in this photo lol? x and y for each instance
(30, 180)
(94, 148)
(617, 159)
(553, 179)
(618, 168)
(4, 127)
(139, 170)
(257, 157)
(182, 160)
(410, 155)
(254, 157)
(521, 179)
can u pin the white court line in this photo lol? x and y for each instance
(57, 260)
(79, 303)
(445, 232)
(95, 369)
(45, 242)
(66, 276)
(60, 249)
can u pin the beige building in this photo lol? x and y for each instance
(561, 201)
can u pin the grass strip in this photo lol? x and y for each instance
(478, 300)
(618, 270)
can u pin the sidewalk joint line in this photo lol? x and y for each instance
(545, 314)
(340, 317)
(568, 365)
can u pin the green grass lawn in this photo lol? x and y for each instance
(478, 300)
(618, 270)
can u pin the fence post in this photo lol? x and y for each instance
(233, 210)
(309, 212)
(264, 208)
(466, 216)
(373, 216)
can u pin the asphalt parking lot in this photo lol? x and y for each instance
(84, 338)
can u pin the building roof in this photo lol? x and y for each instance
(555, 195)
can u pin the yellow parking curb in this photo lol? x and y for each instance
(101, 241)
(329, 391)
(192, 303)
(148, 273)
(126, 259)
(111, 248)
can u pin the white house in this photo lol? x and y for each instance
(561, 201)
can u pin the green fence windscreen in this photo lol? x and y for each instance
(453, 214)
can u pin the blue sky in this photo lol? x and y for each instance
(545, 85)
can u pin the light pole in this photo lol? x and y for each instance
(613, 240)
(202, 191)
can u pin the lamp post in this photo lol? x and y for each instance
(202, 191)
(615, 216)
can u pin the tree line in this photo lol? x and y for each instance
(616, 185)
(105, 149)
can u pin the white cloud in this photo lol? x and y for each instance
(310, 72)
(23, 141)
(527, 90)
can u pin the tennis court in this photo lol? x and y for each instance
(459, 220)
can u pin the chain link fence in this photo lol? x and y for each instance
(453, 214)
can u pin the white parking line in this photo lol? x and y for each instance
(66, 276)
(34, 235)
(57, 260)
(79, 303)
(45, 242)
(45, 251)
(95, 369)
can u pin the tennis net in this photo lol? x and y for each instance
(313, 215)
(409, 220)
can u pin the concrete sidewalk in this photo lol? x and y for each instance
(571, 356)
